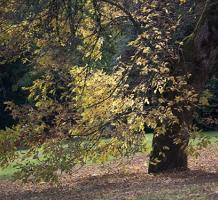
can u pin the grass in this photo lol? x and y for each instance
(10, 170)
(7, 173)
(212, 134)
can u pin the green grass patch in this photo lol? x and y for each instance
(212, 134)
(7, 173)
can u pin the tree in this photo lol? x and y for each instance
(12, 77)
(200, 60)
(152, 84)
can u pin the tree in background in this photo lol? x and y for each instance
(206, 115)
(12, 77)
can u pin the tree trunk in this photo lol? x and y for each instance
(200, 52)
(169, 149)
(163, 159)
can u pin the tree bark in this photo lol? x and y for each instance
(200, 59)
(169, 148)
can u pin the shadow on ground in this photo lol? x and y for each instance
(116, 186)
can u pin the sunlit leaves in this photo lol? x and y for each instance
(77, 113)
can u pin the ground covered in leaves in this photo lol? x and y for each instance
(126, 180)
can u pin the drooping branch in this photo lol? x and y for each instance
(135, 23)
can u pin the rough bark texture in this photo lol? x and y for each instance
(168, 154)
(200, 58)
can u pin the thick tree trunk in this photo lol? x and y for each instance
(200, 53)
(169, 149)
(164, 159)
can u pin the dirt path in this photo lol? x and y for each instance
(127, 181)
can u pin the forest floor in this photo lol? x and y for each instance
(127, 180)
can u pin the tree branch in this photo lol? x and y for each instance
(135, 23)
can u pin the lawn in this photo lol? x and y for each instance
(9, 171)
